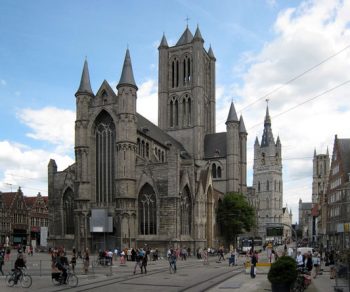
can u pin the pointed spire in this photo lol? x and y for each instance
(267, 116)
(163, 42)
(198, 35)
(256, 143)
(327, 153)
(315, 152)
(267, 138)
(210, 53)
(242, 128)
(127, 77)
(186, 38)
(232, 115)
(85, 86)
(278, 142)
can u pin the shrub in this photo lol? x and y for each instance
(284, 270)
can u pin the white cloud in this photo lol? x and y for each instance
(305, 36)
(147, 100)
(50, 124)
(26, 167)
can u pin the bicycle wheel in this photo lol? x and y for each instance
(10, 281)
(72, 280)
(26, 281)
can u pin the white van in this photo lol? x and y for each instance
(305, 250)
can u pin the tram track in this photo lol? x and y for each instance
(203, 284)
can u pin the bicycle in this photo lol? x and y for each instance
(71, 280)
(25, 279)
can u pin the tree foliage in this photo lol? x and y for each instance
(235, 216)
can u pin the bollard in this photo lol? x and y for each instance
(40, 268)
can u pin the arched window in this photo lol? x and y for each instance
(173, 74)
(279, 186)
(176, 113)
(219, 172)
(186, 212)
(259, 187)
(138, 146)
(188, 70)
(189, 112)
(213, 170)
(105, 142)
(171, 114)
(147, 211)
(275, 185)
(147, 150)
(267, 185)
(163, 156)
(68, 211)
(177, 73)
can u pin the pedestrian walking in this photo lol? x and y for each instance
(2, 257)
(86, 261)
(221, 254)
(144, 263)
(73, 261)
(253, 263)
(204, 255)
(138, 259)
(316, 263)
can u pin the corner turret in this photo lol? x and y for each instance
(85, 86)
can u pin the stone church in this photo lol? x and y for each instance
(135, 183)
(268, 182)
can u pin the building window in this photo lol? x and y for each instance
(185, 212)
(259, 186)
(105, 142)
(213, 170)
(219, 172)
(267, 185)
(147, 211)
(68, 212)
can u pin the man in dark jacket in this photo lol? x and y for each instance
(19, 264)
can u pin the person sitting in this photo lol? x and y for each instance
(19, 264)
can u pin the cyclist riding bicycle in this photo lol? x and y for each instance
(19, 264)
(61, 264)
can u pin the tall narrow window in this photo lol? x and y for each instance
(105, 141)
(188, 70)
(189, 111)
(267, 185)
(213, 170)
(171, 114)
(186, 212)
(219, 172)
(259, 186)
(184, 72)
(177, 73)
(173, 74)
(68, 211)
(147, 211)
(176, 113)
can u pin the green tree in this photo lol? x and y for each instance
(235, 216)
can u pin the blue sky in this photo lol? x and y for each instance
(259, 45)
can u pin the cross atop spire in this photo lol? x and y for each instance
(187, 19)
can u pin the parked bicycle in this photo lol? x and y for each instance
(71, 280)
(24, 278)
(303, 280)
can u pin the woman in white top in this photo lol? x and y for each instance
(316, 262)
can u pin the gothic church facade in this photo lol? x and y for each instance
(136, 183)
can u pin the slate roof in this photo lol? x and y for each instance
(232, 115)
(127, 76)
(344, 149)
(215, 145)
(186, 38)
(151, 130)
(85, 86)
(30, 201)
(7, 199)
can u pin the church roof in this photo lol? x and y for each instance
(242, 128)
(127, 77)
(198, 35)
(215, 145)
(232, 115)
(85, 86)
(156, 133)
(211, 53)
(267, 138)
(163, 42)
(186, 38)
